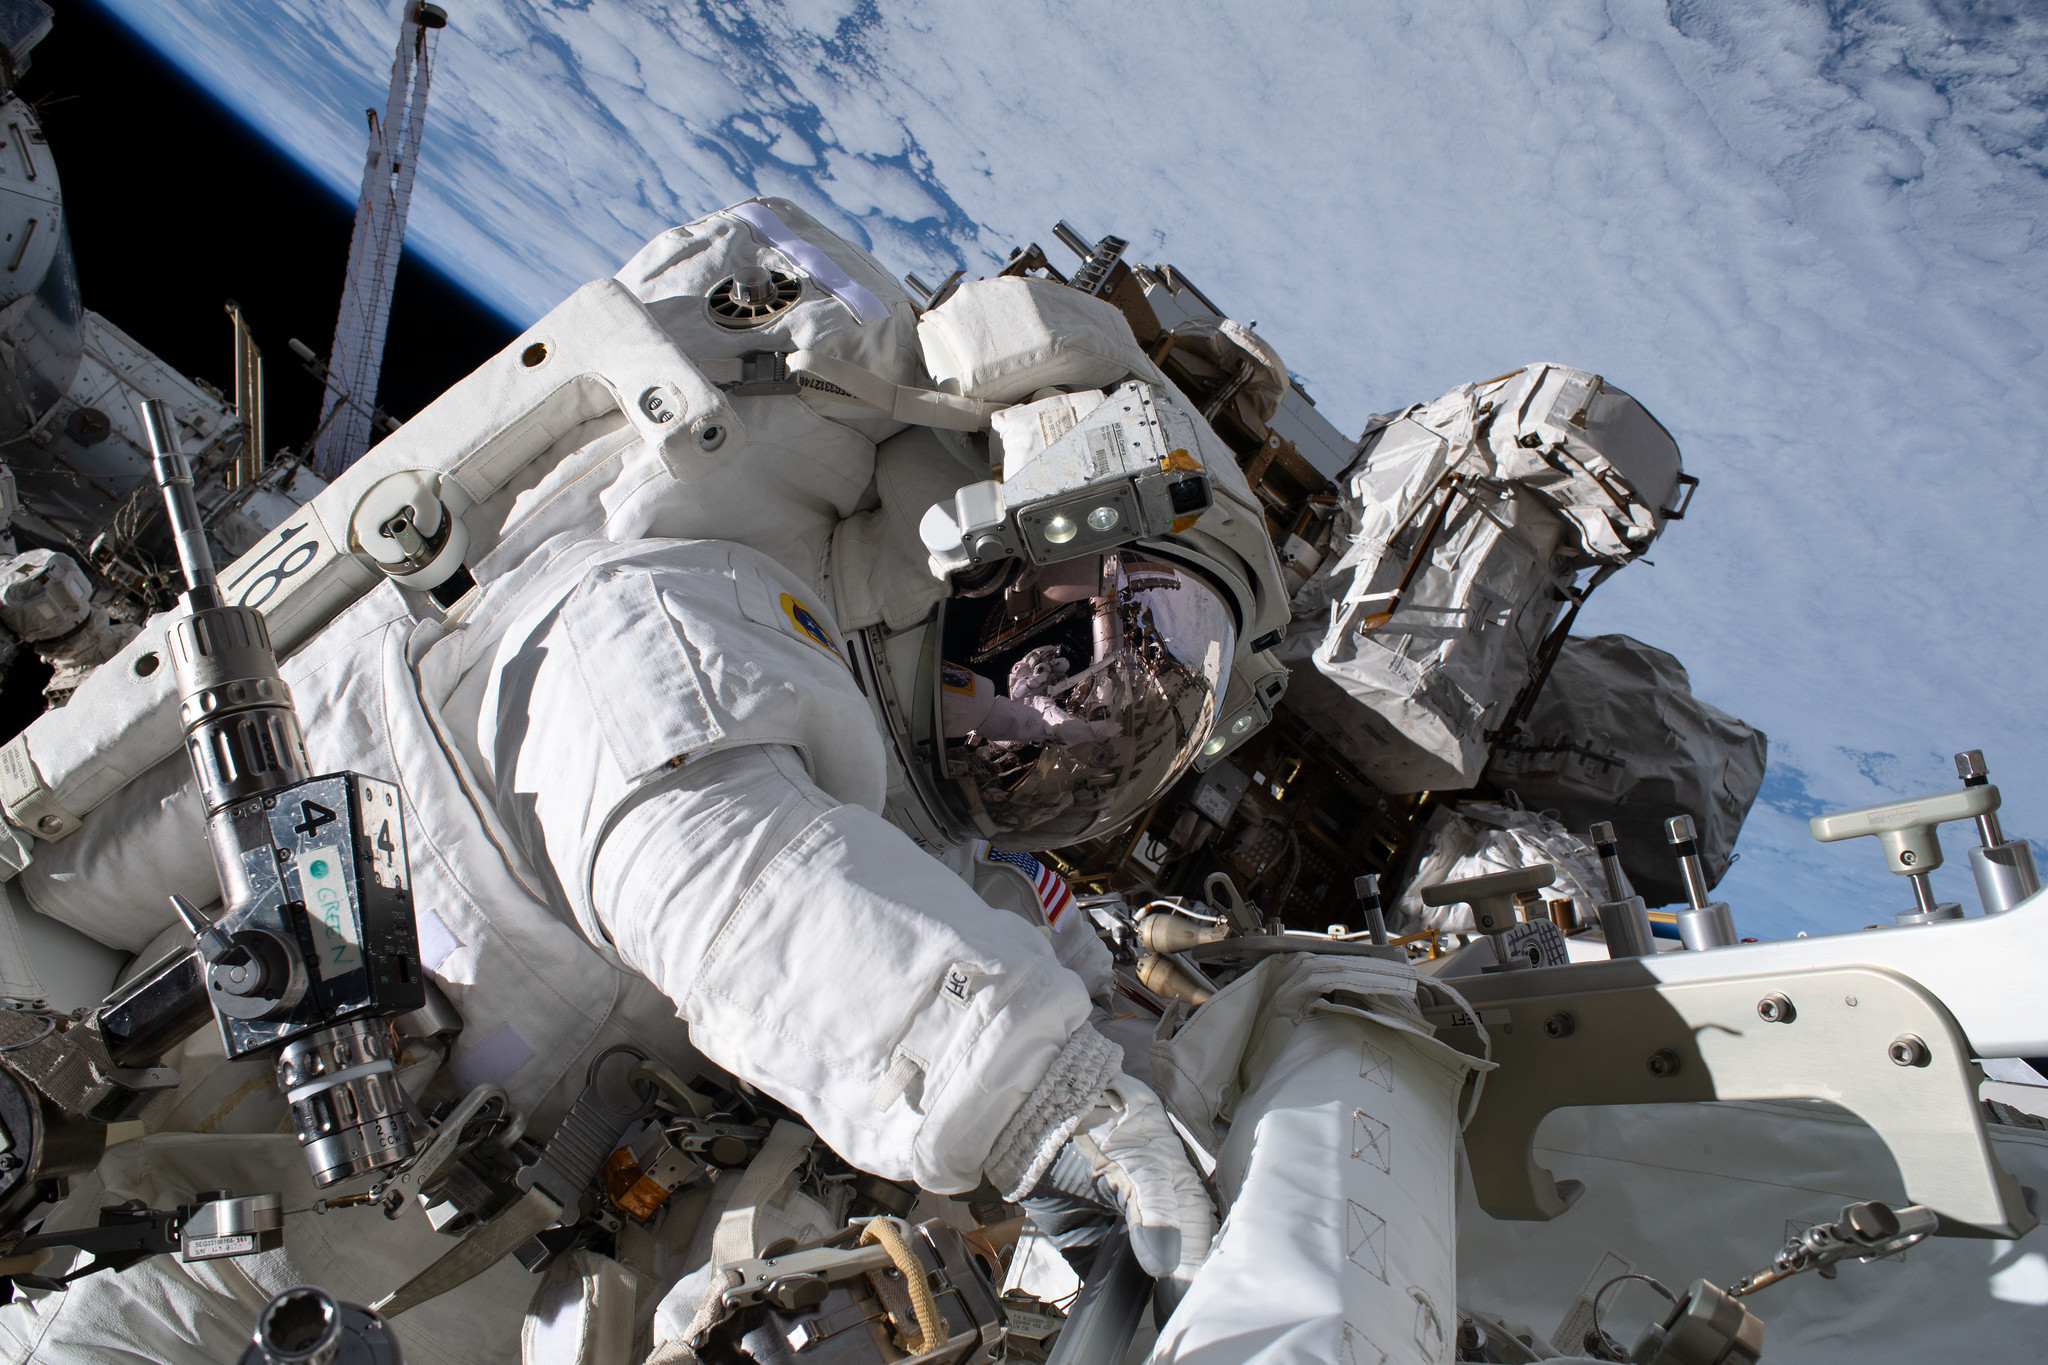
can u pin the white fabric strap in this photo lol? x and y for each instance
(18, 979)
(767, 1176)
(919, 407)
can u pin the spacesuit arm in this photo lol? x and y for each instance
(821, 956)
(1033, 720)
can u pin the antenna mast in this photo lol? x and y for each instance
(358, 352)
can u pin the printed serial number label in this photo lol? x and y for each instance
(324, 886)
(235, 1244)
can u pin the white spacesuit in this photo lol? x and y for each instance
(647, 763)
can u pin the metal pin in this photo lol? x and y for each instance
(214, 946)
(1605, 844)
(1970, 767)
(174, 477)
(1704, 923)
(1368, 889)
(1679, 830)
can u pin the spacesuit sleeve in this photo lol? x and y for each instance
(822, 957)
(1073, 937)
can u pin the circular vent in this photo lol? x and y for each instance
(753, 296)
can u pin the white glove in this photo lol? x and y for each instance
(1127, 1155)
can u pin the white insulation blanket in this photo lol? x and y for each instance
(1337, 1174)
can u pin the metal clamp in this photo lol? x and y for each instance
(800, 1279)
(1492, 898)
(1906, 829)
(1866, 1231)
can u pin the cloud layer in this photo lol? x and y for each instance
(1806, 235)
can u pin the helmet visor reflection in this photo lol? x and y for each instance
(1072, 700)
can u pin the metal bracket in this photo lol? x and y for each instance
(1865, 1038)
(798, 1278)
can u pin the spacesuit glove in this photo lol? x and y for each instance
(1126, 1155)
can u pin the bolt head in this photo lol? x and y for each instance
(50, 824)
(1909, 1050)
(1560, 1025)
(1664, 1062)
(1775, 1008)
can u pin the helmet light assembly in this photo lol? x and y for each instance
(1121, 471)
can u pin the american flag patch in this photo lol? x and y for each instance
(1053, 896)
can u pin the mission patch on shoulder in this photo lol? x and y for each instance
(806, 625)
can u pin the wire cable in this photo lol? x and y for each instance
(1598, 1334)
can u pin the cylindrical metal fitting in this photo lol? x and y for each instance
(1368, 889)
(305, 1325)
(2005, 875)
(1940, 910)
(1708, 926)
(1679, 830)
(752, 284)
(301, 1326)
(224, 662)
(1165, 932)
(1970, 767)
(240, 729)
(247, 753)
(1609, 849)
(347, 1107)
(1164, 976)
(174, 477)
(1625, 924)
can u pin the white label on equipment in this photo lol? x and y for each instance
(1105, 449)
(325, 888)
(234, 1244)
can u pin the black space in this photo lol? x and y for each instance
(175, 206)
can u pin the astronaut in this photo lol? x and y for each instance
(685, 772)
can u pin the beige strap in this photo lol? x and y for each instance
(919, 407)
(19, 982)
(483, 1248)
(765, 1179)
